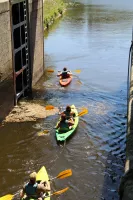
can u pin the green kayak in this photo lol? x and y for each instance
(62, 136)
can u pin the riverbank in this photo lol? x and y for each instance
(53, 9)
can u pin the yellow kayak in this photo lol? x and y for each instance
(42, 175)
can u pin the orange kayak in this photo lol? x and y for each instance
(66, 81)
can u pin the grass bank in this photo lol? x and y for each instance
(52, 10)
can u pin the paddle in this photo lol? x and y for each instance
(83, 112)
(57, 193)
(7, 197)
(52, 70)
(49, 107)
(63, 174)
(76, 70)
(43, 132)
(10, 196)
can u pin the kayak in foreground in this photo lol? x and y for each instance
(62, 136)
(66, 81)
(41, 176)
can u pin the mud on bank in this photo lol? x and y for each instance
(27, 111)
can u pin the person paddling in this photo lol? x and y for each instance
(32, 189)
(68, 112)
(65, 124)
(65, 73)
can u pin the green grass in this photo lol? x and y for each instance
(52, 8)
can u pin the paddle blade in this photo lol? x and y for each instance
(84, 112)
(61, 191)
(43, 132)
(7, 197)
(50, 70)
(64, 174)
(49, 107)
(77, 71)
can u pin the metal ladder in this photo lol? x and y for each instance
(26, 48)
(25, 71)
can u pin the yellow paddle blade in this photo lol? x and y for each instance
(84, 112)
(61, 191)
(64, 174)
(43, 132)
(77, 70)
(49, 107)
(7, 197)
(50, 70)
(83, 108)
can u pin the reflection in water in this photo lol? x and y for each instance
(93, 36)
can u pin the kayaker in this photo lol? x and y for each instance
(65, 73)
(33, 189)
(68, 112)
(64, 123)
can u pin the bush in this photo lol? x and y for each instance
(51, 10)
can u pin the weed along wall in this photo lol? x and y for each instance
(53, 9)
(22, 50)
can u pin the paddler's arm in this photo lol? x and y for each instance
(71, 121)
(58, 125)
(44, 187)
(59, 73)
(47, 186)
(22, 192)
(74, 115)
(69, 72)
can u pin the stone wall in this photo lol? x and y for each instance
(126, 185)
(5, 41)
(36, 44)
(6, 74)
(36, 38)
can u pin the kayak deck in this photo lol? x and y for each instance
(42, 175)
(63, 136)
(66, 81)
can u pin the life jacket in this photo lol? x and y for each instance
(65, 74)
(63, 126)
(31, 190)
(68, 114)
